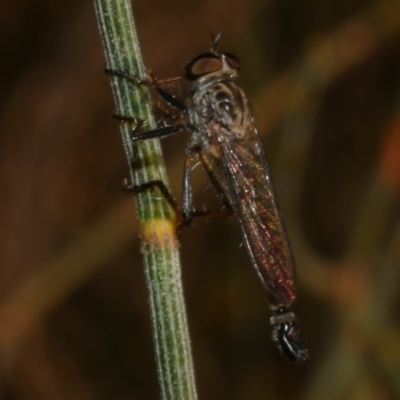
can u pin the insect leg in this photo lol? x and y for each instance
(168, 97)
(172, 100)
(214, 181)
(187, 195)
(129, 77)
(138, 122)
(185, 214)
(161, 132)
(165, 114)
(164, 191)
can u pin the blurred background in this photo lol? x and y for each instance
(324, 81)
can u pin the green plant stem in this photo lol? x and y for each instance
(156, 219)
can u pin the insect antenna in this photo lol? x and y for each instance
(215, 41)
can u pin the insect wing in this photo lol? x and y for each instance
(246, 174)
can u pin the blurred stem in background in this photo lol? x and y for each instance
(157, 221)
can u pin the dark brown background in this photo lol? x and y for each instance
(324, 80)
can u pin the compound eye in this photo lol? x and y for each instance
(233, 61)
(202, 65)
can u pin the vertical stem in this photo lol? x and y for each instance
(156, 219)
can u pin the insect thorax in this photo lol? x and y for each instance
(218, 111)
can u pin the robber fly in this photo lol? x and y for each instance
(226, 142)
